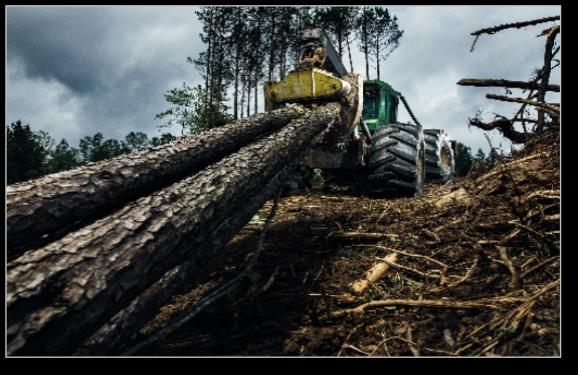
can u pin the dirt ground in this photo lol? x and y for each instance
(476, 273)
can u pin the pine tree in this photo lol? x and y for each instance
(25, 153)
(63, 158)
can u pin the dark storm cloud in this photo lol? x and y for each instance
(65, 44)
(74, 71)
(115, 62)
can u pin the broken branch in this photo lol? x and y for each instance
(532, 85)
(517, 25)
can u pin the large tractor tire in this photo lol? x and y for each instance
(396, 160)
(439, 156)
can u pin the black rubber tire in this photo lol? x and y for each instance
(439, 156)
(397, 160)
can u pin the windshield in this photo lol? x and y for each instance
(369, 109)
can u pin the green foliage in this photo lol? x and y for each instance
(192, 111)
(25, 153)
(165, 138)
(378, 34)
(34, 154)
(62, 158)
(137, 141)
(93, 149)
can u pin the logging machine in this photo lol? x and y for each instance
(395, 157)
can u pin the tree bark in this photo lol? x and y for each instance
(505, 83)
(56, 203)
(112, 338)
(59, 295)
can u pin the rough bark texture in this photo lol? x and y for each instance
(60, 294)
(54, 204)
(112, 337)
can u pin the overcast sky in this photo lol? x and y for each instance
(75, 71)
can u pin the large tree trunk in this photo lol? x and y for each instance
(113, 337)
(52, 205)
(59, 295)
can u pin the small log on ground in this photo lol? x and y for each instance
(56, 204)
(374, 274)
(59, 295)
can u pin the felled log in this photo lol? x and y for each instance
(59, 295)
(55, 204)
(506, 83)
(111, 338)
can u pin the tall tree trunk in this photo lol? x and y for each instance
(243, 100)
(377, 62)
(272, 45)
(59, 295)
(236, 90)
(365, 42)
(256, 95)
(249, 93)
(55, 204)
(209, 61)
(545, 75)
(349, 52)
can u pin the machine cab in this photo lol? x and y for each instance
(380, 102)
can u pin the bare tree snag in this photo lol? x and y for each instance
(59, 295)
(505, 83)
(112, 336)
(550, 108)
(545, 74)
(55, 204)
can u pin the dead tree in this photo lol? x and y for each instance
(541, 84)
(59, 295)
(54, 205)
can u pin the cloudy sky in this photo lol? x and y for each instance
(75, 71)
